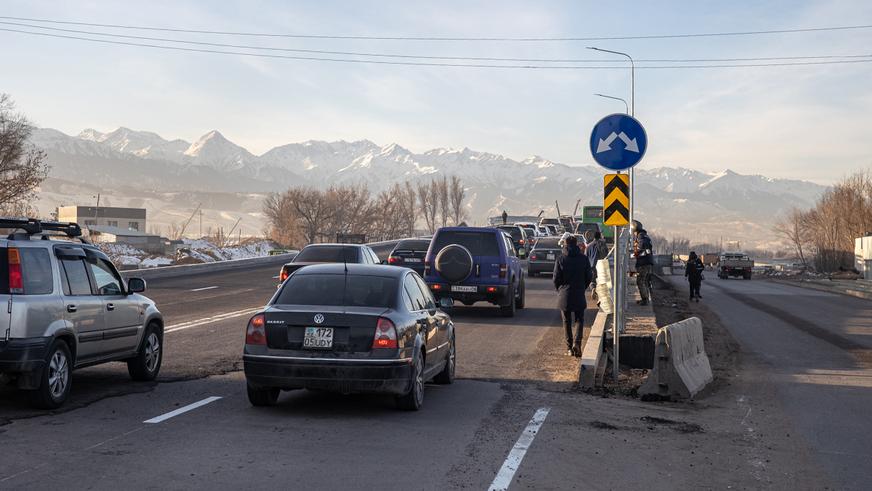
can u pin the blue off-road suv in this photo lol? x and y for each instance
(469, 264)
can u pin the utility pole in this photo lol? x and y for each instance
(201, 224)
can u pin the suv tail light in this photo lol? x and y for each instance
(504, 269)
(395, 260)
(522, 241)
(385, 334)
(16, 280)
(256, 332)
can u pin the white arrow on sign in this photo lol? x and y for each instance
(630, 145)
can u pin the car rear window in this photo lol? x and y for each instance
(515, 232)
(36, 271)
(339, 290)
(478, 243)
(412, 245)
(4, 271)
(547, 244)
(327, 254)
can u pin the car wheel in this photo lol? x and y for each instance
(414, 399)
(262, 397)
(446, 376)
(146, 365)
(522, 291)
(57, 377)
(509, 310)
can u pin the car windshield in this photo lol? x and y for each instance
(339, 290)
(327, 254)
(412, 245)
(547, 244)
(478, 243)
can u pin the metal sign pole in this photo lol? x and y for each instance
(617, 302)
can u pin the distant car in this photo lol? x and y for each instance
(475, 264)
(587, 230)
(545, 253)
(519, 238)
(532, 234)
(410, 253)
(351, 329)
(64, 306)
(329, 253)
(553, 230)
(551, 222)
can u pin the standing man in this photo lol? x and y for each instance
(693, 272)
(644, 265)
(571, 278)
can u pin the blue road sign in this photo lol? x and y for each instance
(618, 142)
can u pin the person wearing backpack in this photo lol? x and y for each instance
(693, 272)
(571, 278)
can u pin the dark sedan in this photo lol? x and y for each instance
(543, 255)
(410, 253)
(328, 253)
(351, 329)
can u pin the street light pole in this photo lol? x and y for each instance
(626, 106)
(633, 114)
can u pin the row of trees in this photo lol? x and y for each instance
(305, 215)
(823, 236)
(22, 166)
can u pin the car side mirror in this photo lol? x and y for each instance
(135, 285)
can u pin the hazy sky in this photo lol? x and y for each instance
(808, 122)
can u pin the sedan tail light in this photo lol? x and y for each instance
(395, 260)
(504, 269)
(256, 332)
(385, 334)
(284, 275)
(16, 279)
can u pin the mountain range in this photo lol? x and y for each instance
(140, 168)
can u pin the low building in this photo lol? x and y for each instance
(152, 244)
(863, 256)
(104, 216)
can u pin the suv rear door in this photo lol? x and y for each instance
(484, 247)
(82, 308)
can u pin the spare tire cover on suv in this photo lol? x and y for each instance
(454, 263)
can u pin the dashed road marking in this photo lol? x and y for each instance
(208, 320)
(181, 410)
(204, 288)
(513, 461)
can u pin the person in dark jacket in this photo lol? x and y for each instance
(693, 272)
(644, 264)
(571, 278)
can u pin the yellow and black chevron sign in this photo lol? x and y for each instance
(616, 200)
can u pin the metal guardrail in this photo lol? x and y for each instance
(204, 268)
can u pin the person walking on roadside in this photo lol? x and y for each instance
(693, 272)
(644, 265)
(571, 279)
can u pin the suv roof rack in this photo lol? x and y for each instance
(32, 226)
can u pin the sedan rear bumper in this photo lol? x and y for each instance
(338, 375)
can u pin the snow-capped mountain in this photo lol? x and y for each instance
(669, 199)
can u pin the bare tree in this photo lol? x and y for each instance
(22, 166)
(793, 227)
(441, 189)
(457, 195)
(409, 212)
(428, 206)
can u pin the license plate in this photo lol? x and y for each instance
(549, 257)
(461, 288)
(413, 259)
(318, 338)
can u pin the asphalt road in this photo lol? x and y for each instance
(511, 418)
(815, 350)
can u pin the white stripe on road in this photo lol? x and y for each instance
(275, 277)
(181, 410)
(204, 288)
(208, 320)
(513, 461)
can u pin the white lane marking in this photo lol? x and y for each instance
(513, 461)
(204, 288)
(181, 410)
(208, 320)
(275, 277)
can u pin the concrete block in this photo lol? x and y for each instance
(681, 365)
(593, 351)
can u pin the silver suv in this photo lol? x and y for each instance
(63, 305)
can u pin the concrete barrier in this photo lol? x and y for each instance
(681, 366)
(593, 351)
(203, 268)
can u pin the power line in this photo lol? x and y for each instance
(433, 57)
(442, 38)
(431, 64)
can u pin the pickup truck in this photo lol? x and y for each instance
(735, 264)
